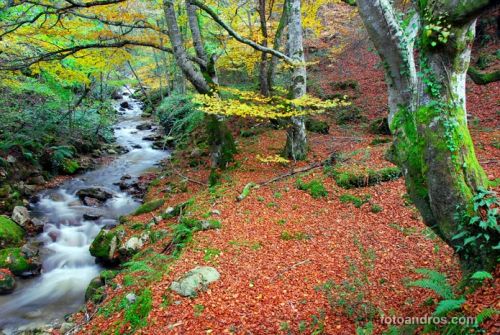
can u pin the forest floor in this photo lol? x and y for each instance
(291, 263)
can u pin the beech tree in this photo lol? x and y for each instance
(296, 142)
(427, 116)
(204, 80)
(296, 145)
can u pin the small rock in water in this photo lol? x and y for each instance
(116, 95)
(144, 126)
(125, 177)
(76, 203)
(131, 298)
(125, 104)
(34, 314)
(137, 146)
(7, 281)
(195, 280)
(31, 249)
(152, 137)
(91, 202)
(94, 192)
(58, 197)
(92, 216)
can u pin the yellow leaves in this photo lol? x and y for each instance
(251, 104)
(63, 73)
(273, 159)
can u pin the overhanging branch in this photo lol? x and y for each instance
(237, 36)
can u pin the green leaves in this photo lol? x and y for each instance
(481, 275)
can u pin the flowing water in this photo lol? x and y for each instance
(68, 266)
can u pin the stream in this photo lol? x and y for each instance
(67, 266)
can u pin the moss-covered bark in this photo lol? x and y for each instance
(435, 149)
(221, 142)
(432, 143)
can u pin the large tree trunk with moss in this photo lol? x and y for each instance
(296, 142)
(204, 80)
(432, 143)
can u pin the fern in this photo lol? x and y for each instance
(436, 282)
(481, 275)
(486, 314)
(449, 305)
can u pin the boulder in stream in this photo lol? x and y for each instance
(116, 95)
(144, 126)
(92, 216)
(97, 193)
(125, 104)
(106, 244)
(7, 281)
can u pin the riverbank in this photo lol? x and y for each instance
(70, 215)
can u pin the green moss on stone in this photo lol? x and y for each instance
(106, 243)
(347, 180)
(11, 234)
(14, 260)
(149, 206)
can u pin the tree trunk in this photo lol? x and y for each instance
(296, 142)
(220, 139)
(263, 83)
(432, 143)
(179, 51)
(278, 37)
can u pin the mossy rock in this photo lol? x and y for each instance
(95, 290)
(348, 180)
(7, 281)
(149, 206)
(177, 210)
(345, 85)
(14, 260)
(316, 126)
(108, 275)
(106, 244)
(380, 126)
(5, 191)
(349, 114)
(11, 234)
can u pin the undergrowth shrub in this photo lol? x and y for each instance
(348, 114)
(350, 297)
(180, 116)
(356, 201)
(315, 188)
(450, 303)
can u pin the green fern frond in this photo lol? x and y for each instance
(446, 306)
(486, 314)
(442, 289)
(481, 275)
